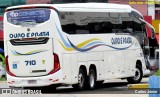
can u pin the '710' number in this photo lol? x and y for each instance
(30, 62)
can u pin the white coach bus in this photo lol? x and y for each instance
(79, 44)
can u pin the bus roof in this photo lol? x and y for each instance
(84, 7)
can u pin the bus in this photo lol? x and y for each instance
(78, 44)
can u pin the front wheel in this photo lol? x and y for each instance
(138, 76)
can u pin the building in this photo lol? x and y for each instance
(140, 5)
(37, 1)
(154, 11)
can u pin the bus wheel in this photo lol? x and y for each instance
(81, 80)
(138, 76)
(92, 79)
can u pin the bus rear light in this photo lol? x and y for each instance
(56, 64)
(55, 80)
(11, 82)
(7, 68)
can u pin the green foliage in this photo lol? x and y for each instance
(157, 73)
(4, 65)
(3, 60)
(2, 79)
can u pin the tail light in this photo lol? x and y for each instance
(7, 68)
(56, 64)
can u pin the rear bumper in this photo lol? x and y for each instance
(47, 80)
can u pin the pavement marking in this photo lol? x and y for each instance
(138, 86)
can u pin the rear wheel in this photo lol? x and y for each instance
(138, 75)
(92, 79)
(81, 80)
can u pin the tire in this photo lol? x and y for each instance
(81, 81)
(138, 76)
(92, 79)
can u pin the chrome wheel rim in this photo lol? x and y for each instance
(137, 74)
(91, 79)
(81, 80)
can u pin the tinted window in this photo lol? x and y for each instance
(98, 22)
(20, 17)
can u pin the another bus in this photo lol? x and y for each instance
(78, 44)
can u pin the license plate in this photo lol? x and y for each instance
(32, 82)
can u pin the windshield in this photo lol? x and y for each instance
(31, 16)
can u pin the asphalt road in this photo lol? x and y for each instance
(116, 86)
(111, 88)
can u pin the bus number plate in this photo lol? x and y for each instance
(32, 82)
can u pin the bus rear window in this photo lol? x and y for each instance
(26, 17)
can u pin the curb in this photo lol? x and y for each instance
(3, 81)
(138, 86)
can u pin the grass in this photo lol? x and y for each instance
(2, 78)
(157, 73)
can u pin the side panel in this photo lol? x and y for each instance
(130, 62)
(114, 64)
(96, 58)
(74, 68)
(67, 68)
(82, 60)
(131, 56)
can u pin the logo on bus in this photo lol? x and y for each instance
(121, 40)
(14, 14)
(28, 35)
(14, 66)
(28, 13)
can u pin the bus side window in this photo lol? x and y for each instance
(82, 32)
(129, 30)
(139, 35)
(117, 31)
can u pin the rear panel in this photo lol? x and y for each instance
(29, 41)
